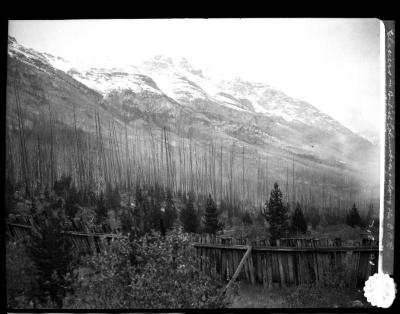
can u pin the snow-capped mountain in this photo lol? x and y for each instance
(177, 79)
(370, 136)
(252, 112)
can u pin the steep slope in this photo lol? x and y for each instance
(170, 93)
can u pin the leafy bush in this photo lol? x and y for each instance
(165, 275)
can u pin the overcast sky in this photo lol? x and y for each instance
(331, 63)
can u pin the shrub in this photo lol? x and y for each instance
(165, 276)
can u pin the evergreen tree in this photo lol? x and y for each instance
(113, 199)
(170, 210)
(146, 214)
(71, 201)
(126, 222)
(370, 213)
(155, 213)
(101, 209)
(189, 217)
(246, 218)
(353, 217)
(276, 214)
(62, 186)
(138, 195)
(211, 224)
(299, 224)
(138, 212)
(313, 217)
(52, 254)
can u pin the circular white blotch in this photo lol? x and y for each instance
(162, 209)
(380, 290)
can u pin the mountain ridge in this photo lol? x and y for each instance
(172, 91)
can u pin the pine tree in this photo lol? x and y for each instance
(127, 226)
(211, 224)
(246, 218)
(113, 199)
(189, 217)
(154, 213)
(52, 254)
(101, 209)
(71, 201)
(353, 217)
(170, 210)
(138, 212)
(299, 224)
(370, 213)
(62, 186)
(146, 214)
(276, 214)
(116, 199)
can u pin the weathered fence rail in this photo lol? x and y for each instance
(83, 242)
(296, 262)
(291, 262)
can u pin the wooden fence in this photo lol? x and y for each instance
(83, 242)
(291, 262)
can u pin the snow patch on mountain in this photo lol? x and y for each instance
(176, 78)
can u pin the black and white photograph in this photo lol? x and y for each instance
(194, 163)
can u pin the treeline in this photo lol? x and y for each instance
(154, 208)
(283, 224)
(150, 208)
